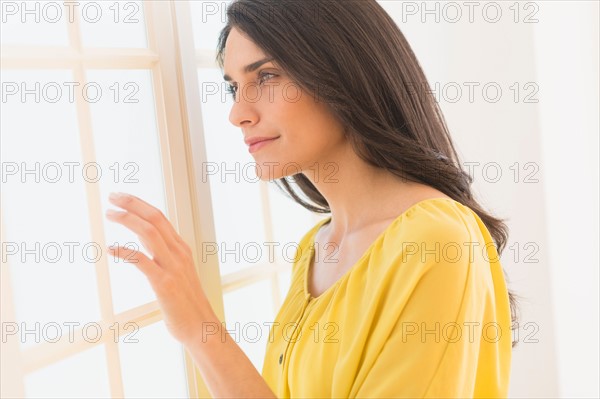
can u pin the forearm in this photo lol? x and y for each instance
(227, 371)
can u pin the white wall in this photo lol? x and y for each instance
(552, 203)
(566, 45)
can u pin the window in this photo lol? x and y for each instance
(120, 96)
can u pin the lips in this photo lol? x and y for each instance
(254, 140)
(259, 142)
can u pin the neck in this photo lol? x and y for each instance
(359, 194)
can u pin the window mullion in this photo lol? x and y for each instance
(198, 226)
(18, 57)
(189, 107)
(88, 154)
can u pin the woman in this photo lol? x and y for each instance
(399, 293)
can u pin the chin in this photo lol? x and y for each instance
(273, 170)
(267, 170)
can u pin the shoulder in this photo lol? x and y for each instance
(439, 236)
(428, 251)
(440, 245)
(436, 220)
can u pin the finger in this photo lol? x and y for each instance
(151, 214)
(146, 232)
(141, 261)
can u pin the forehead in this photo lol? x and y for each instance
(240, 51)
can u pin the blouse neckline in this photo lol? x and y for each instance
(311, 248)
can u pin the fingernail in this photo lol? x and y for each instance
(117, 196)
(112, 212)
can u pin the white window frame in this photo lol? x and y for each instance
(183, 193)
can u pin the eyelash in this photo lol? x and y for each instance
(233, 89)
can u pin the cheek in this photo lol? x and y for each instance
(304, 132)
(309, 132)
(302, 120)
(310, 141)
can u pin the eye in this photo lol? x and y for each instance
(231, 90)
(262, 76)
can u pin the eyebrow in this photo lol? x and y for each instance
(250, 68)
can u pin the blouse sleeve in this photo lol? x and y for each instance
(441, 343)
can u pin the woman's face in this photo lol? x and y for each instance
(269, 104)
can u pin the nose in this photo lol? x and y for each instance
(243, 111)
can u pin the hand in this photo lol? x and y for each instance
(171, 270)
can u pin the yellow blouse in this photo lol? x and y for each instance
(423, 313)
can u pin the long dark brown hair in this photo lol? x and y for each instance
(353, 56)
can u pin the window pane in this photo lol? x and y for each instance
(83, 375)
(34, 23)
(128, 151)
(153, 367)
(248, 312)
(112, 24)
(52, 257)
(208, 18)
(235, 189)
